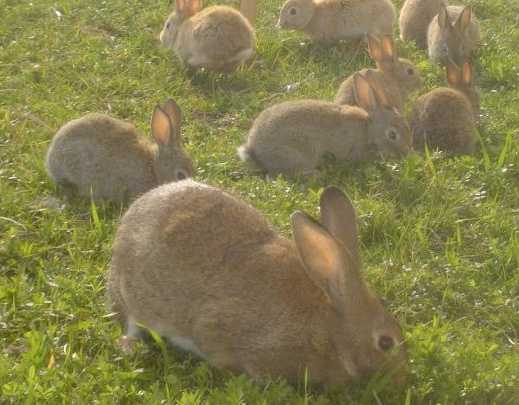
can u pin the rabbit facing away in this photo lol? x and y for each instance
(333, 20)
(453, 35)
(397, 76)
(206, 271)
(292, 137)
(107, 159)
(217, 37)
(445, 118)
(415, 17)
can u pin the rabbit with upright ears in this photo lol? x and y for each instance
(397, 76)
(446, 118)
(217, 37)
(292, 137)
(453, 35)
(333, 20)
(107, 159)
(415, 17)
(231, 290)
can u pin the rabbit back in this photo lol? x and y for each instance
(415, 17)
(101, 156)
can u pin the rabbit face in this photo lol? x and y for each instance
(172, 165)
(169, 33)
(389, 133)
(296, 14)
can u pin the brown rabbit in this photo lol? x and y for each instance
(453, 35)
(107, 158)
(333, 20)
(217, 37)
(415, 17)
(292, 137)
(207, 271)
(444, 118)
(397, 76)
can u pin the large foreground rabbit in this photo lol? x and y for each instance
(217, 37)
(292, 137)
(446, 118)
(107, 158)
(397, 76)
(333, 20)
(207, 271)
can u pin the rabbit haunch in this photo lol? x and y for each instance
(213, 279)
(292, 137)
(107, 158)
(333, 20)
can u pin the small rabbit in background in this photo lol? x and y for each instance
(397, 76)
(446, 118)
(217, 38)
(233, 291)
(107, 159)
(333, 20)
(292, 137)
(415, 17)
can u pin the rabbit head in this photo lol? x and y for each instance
(184, 9)
(388, 131)
(462, 79)
(172, 162)
(296, 14)
(366, 337)
(383, 52)
(454, 43)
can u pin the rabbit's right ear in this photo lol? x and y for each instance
(443, 17)
(388, 46)
(467, 74)
(464, 19)
(363, 93)
(454, 77)
(188, 8)
(161, 127)
(322, 256)
(375, 48)
(174, 113)
(377, 89)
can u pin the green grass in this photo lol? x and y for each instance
(440, 237)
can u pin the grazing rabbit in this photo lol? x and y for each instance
(445, 118)
(217, 37)
(292, 137)
(333, 20)
(453, 35)
(415, 17)
(207, 271)
(107, 158)
(397, 76)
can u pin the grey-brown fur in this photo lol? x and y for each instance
(292, 137)
(108, 159)
(415, 17)
(230, 289)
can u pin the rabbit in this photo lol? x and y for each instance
(444, 118)
(397, 76)
(333, 20)
(217, 38)
(106, 158)
(453, 35)
(415, 17)
(208, 272)
(291, 138)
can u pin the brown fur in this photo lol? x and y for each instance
(245, 298)
(292, 137)
(333, 20)
(108, 159)
(217, 37)
(415, 17)
(397, 76)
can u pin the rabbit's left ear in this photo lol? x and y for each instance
(453, 74)
(375, 48)
(174, 113)
(464, 20)
(189, 8)
(363, 93)
(443, 18)
(388, 46)
(467, 74)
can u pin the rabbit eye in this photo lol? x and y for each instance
(293, 11)
(168, 25)
(392, 134)
(386, 343)
(181, 175)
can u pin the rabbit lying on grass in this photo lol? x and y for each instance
(207, 271)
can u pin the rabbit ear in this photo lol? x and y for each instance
(375, 48)
(322, 256)
(467, 73)
(161, 126)
(174, 113)
(443, 17)
(453, 74)
(248, 9)
(388, 47)
(464, 19)
(187, 8)
(338, 217)
(377, 89)
(363, 94)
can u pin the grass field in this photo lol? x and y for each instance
(440, 236)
